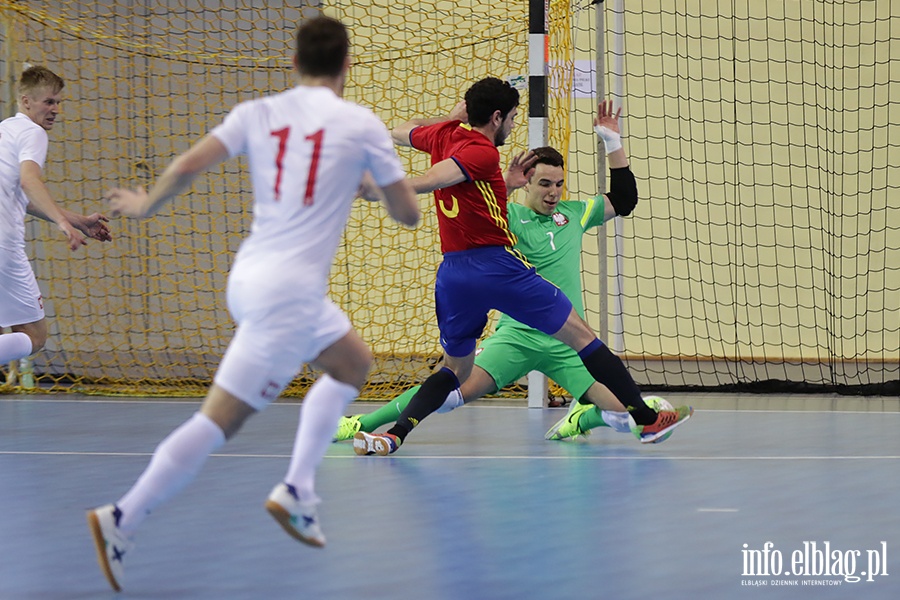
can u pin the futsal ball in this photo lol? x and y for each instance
(657, 403)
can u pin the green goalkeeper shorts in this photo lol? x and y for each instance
(511, 352)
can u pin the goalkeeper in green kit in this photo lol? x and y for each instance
(550, 234)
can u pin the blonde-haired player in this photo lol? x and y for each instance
(23, 150)
(308, 152)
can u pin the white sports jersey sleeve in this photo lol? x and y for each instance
(232, 132)
(307, 150)
(33, 146)
(21, 139)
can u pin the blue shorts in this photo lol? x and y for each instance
(472, 282)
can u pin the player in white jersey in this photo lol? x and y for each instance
(308, 152)
(23, 150)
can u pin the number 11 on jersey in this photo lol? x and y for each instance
(316, 139)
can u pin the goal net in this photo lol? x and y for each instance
(764, 254)
(763, 136)
(146, 313)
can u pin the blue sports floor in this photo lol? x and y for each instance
(475, 506)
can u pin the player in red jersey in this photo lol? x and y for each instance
(481, 271)
(472, 211)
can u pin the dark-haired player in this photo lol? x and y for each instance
(308, 150)
(482, 271)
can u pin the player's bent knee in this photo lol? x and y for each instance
(461, 366)
(575, 333)
(356, 377)
(37, 332)
(226, 410)
(354, 370)
(348, 360)
(37, 343)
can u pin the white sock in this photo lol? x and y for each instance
(454, 400)
(322, 407)
(617, 420)
(14, 346)
(175, 463)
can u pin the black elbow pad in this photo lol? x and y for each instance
(623, 194)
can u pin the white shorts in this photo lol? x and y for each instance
(20, 297)
(280, 328)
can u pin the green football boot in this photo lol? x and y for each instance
(567, 427)
(347, 428)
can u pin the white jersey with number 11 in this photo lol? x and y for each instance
(308, 150)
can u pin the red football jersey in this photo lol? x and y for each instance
(472, 213)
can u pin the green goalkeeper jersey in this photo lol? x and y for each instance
(553, 244)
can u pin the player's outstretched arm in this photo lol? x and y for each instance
(399, 199)
(622, 196)
(93, 226)
(441, 175)
(42, 203)
(203, 155)
(401, 202)
(400, 134)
